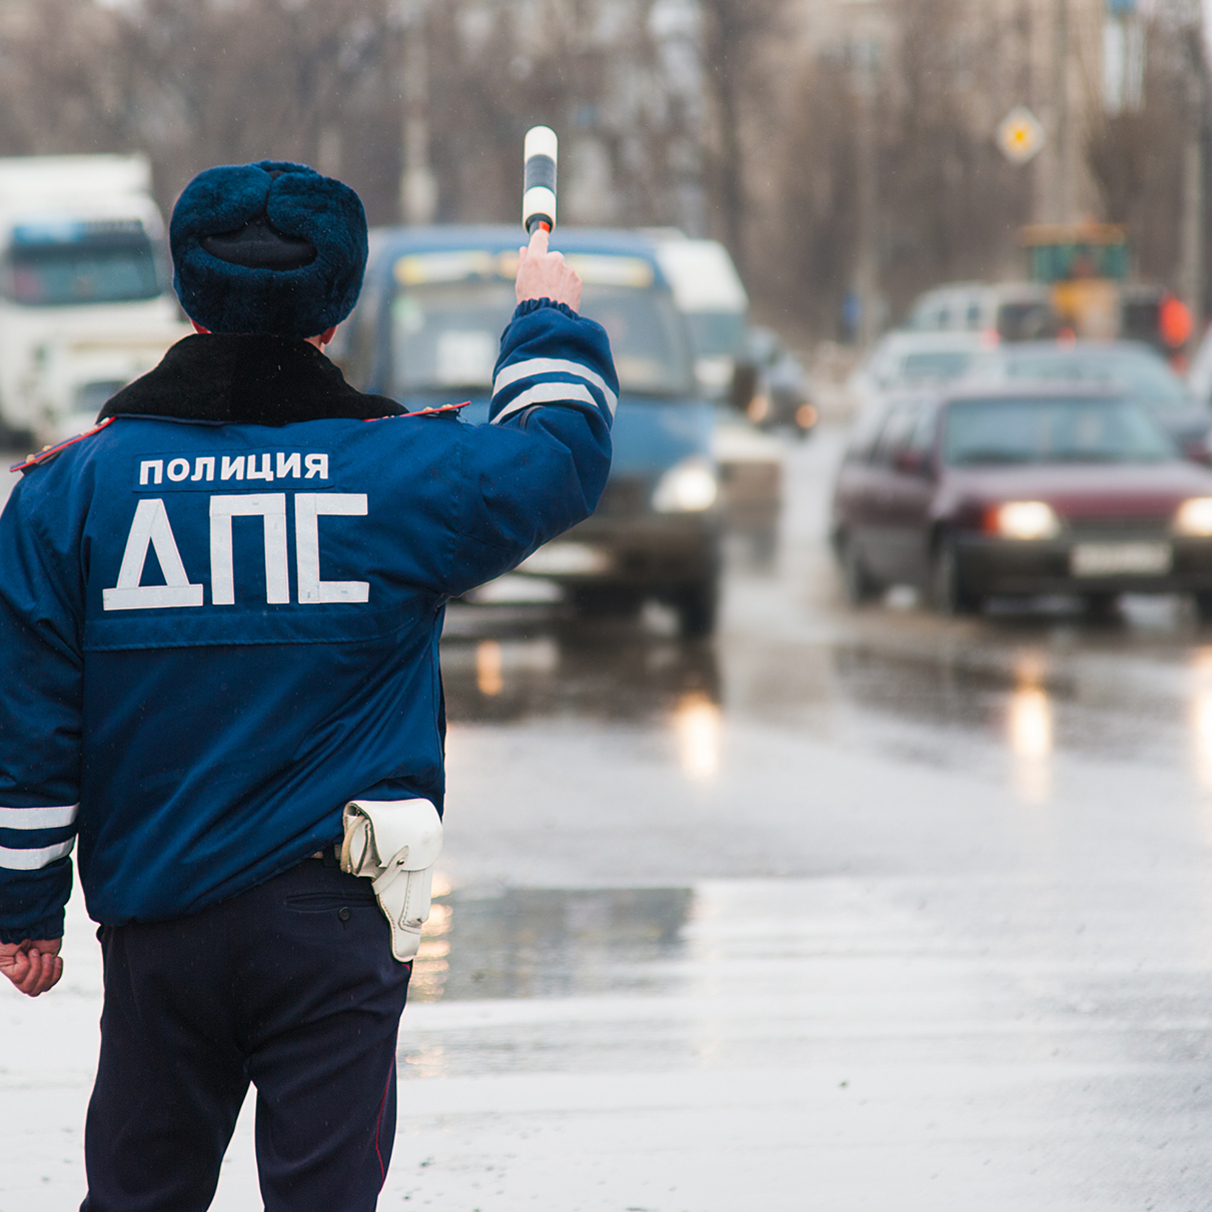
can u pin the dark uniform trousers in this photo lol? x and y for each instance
(290, 986)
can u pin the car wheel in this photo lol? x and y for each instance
(697, 607)
(1101, 607)
(947, 589)
(1203, 607)
(859, 584)
(606, 602)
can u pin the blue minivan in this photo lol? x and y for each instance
(427, 331)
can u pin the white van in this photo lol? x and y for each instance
(85, 298)
(1015, 311)
(711, 297)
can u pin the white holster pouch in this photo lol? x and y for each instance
(395, 844)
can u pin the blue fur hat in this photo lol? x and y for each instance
(268, 248)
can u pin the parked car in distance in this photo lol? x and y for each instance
(1199, 376)
(1019, 491)
(1014, 311)
(771, 386)
(901, 361)
(1156, 317)
(426, 331)
(1128, 368)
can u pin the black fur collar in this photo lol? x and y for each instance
(236, 379)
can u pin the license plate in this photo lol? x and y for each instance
(567, 559)
(1115, 559)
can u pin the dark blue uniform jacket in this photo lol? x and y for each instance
(219, 615)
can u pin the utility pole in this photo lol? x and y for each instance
(418, 186)
(1050, 36)
(1061, 203)
(1191, 235)
(867, 259)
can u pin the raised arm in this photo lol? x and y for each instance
(539, 466)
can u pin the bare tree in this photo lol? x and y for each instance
(802, 267)
(951, 201)
(737, 39)
(199, 82)
(1136, 156)
(495, 71)
(63, 87)
(948, 203)
(195, 83)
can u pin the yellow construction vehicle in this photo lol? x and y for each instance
(1085, 265)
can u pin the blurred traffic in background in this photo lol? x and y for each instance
(883, 671)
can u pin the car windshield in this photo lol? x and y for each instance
(897, 362)
(1002, 431)
(1029, 320)
(446, 336)
(935, 366)
(716, 334)
(1141, 375)
(117, 268)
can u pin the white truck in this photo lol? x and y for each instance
(711, 298)
(709, 294)
(85, 299)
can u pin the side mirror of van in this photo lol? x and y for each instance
(744, 386)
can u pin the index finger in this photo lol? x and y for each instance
(44, 974)
(538, 241)
(51, 973)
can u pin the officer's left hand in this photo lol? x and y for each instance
(33, 966)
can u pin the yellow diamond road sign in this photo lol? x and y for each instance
(1020, 135)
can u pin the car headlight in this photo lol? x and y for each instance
(1024, 520)
(688, 487)
(1194, 517)
(806, 416)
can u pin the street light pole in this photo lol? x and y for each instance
(418, 186)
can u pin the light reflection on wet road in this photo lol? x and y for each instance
(858, 911)
(959, 866)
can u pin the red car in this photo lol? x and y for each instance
(1022, 492)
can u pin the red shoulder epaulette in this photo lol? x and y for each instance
(442, 410)
(49, 452)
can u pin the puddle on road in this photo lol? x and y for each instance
(940, 689)
(1032, 686)
(603, 675)
(1038, 701)
(610, 675)
(545, 943)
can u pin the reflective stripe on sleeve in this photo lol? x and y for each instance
(38, 818)
(554, 366)
(32, 860)
(545, 393)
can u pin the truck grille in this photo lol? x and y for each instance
(1133, 525)
(625, 496)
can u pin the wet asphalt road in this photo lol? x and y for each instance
(848, 911)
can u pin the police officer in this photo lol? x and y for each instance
(219, 623)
